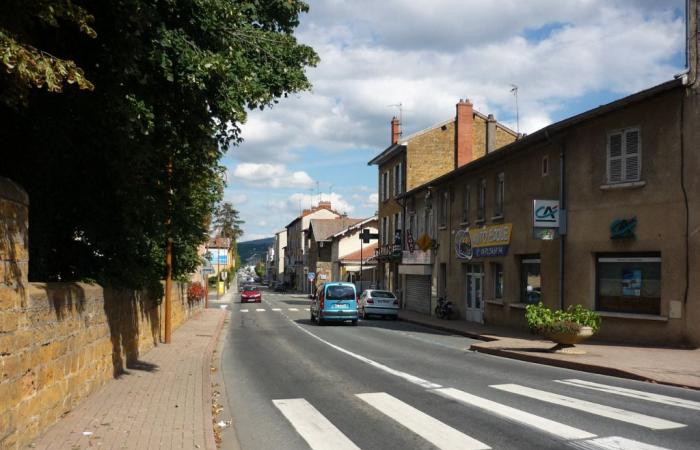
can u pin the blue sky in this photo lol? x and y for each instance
(565, 57)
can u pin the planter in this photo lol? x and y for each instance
(566, 340)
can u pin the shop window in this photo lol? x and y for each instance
(497, 280)
(500, 194)
(629, 283)
(465, 204)
(530, 280)
(481, 213)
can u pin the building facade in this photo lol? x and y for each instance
(597, 210)
(279, 246)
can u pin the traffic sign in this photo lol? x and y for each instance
(311, 276)
(207, 270)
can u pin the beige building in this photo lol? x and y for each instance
(423, 156)
(279, 247)
(620, 237)
(297, 265)
(320, 237)
(348, 249)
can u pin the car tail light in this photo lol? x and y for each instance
(396, 301)
(370, 301)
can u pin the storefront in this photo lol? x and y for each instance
(416, 271)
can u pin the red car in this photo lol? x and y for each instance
(250, 294)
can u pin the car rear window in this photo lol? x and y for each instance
(340, 293)
(249, 289)
(382, 294)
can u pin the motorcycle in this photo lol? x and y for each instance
(443, 310)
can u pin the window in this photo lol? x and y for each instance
(383, 237)
(427, 223)
(385, 186)
(624, 158)
(466, 194)
(530, 280)
(444, 200)
(412, 226)
(398, 182)
(545, 165)
(629, 283)
(497, 280)
(481, 213)
(500, 194)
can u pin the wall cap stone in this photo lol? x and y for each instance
(12, 191)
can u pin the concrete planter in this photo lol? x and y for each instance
(566, 340)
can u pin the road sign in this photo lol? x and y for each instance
(366, 236)
(207, 270)
(311, 276)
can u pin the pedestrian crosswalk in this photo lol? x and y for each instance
(320, 433)
(245, 310)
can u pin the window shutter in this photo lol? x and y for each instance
(632, 155)
(615, 158)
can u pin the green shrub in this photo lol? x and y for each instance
(540, 318)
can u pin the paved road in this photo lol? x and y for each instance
(391, 385)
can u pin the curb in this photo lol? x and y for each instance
(210, 442)
(448, 330)
(583, 367)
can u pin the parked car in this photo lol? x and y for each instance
(335, 301)
(251, 294)
(378, 303)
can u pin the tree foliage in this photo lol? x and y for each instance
(227, 222)
(171, 83)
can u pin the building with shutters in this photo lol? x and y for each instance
(601, 209)
(416, 159)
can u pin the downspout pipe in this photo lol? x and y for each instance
(562, 214)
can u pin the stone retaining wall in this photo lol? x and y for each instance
(59, 342)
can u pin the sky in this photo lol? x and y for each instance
(566, 57)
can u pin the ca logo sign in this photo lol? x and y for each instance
(547, 213)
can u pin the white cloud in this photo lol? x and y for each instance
(237, 198)
(270, 175)
(376, 54)
(372, 201)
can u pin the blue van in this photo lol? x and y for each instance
(336, 301)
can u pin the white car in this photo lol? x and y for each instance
(377, 302)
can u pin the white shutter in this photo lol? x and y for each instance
(615, 158)
(632, 156)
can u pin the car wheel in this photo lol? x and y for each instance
(312, 318)
(354, 323)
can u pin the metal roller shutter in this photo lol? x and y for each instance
(418, 293)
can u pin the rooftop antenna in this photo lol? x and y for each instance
(311, 198)
(330, 190)
(514, 90)
(401, 124)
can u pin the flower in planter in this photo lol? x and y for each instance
(541, 319)
(195, 292)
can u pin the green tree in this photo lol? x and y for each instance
(115, 171)
(227, 221)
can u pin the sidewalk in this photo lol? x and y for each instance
(672, 366)
(164, 403)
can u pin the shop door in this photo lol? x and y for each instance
(474, 291)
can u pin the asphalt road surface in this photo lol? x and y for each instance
(290, 384)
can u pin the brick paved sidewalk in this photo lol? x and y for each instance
(673, 366)
(164, 403)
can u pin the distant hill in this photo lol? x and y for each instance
(257, 247)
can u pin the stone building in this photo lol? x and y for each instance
(320, 237)
(423, 156)
(601, 209)
(297, 266)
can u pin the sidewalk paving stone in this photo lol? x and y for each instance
(664, 365)
(162, 403)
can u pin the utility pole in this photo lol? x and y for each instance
(169, 257)
(514, 90)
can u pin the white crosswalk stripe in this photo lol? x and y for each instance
(293, 309)
(313, 426)
(432, 430)
(531, 420)
(653, 423)
(632, 393)
(614, 443)
(242, 310)
(260, 309)
(277, 309)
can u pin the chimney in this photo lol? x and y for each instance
(490, 133)
(324, 205)
(464, 130)
(395, 130)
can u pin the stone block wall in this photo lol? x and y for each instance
(59, 342)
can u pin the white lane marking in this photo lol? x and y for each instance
(406, 376)
(432, 430)
(313, 426)
(530, 420)
(293, 309)
(307, 309)
(614, 443)
(277, 309)
(260, 309)
(653, 423)
(242, 310)
(641, 395)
